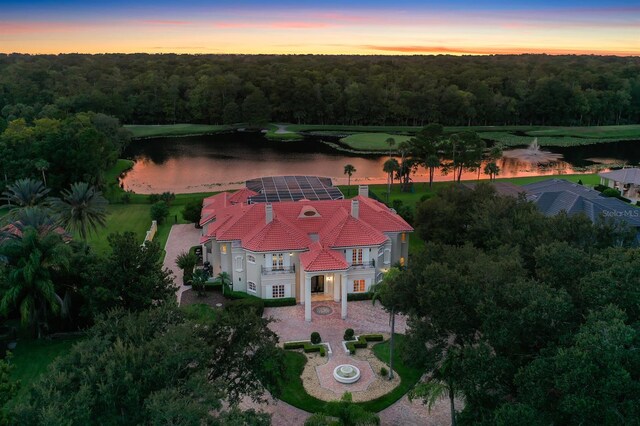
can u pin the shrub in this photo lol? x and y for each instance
(191, 211)
(359, 296)
(611, 192)
(126, 198)
(600, 188)
(384, 372)
(315, 338)
(167, 197)
(348, 334)
(153, 198)
(186, 261)
(306, 347)
(159, 212)
(372, 337)
(241, 306)
(283, 301)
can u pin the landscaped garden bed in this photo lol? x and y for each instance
(302, 392)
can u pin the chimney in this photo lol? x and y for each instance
(363, 191)
(355, 208)
(268, 212)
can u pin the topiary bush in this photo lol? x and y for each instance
(349, 334)
(315, 338)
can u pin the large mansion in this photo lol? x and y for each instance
(307, 249)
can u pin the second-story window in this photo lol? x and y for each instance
(223, 249)
(278, 260)
(356, 257)
(239, 263)
(251, 258)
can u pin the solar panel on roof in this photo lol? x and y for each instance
(292, 188)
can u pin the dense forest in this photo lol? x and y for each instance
(381, 90)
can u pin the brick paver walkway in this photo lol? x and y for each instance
(181, 238)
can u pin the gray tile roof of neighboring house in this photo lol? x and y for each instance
(630, 175)
(554, 195)
(503, 188)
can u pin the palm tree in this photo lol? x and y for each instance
(383, 292)
(82, 208)
(223, 279)
(390, 167)
(186, 261)
(343, 413)
(432, 391)
(349, 170)
(31, 260)
(25, 193)
(432, 162)
(42, 166)
(391, 142)
(491, 169)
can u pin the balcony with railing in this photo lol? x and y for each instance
(268, 270)
(364, 265)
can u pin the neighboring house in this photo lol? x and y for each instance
(627, 181)
(307, 249)
(555, 195)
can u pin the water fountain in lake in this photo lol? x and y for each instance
(532, 154)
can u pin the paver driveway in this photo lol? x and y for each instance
(181, 238)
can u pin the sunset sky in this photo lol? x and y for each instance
(326, 27)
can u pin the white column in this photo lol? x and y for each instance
(343, 286)
(336, 288)
(307, 297)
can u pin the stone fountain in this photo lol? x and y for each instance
(346, 373)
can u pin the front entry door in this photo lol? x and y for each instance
(317, 284)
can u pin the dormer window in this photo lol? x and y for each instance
(308, 211)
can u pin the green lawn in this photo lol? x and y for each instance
(410, 375)
(631, 131)
(121, 218)
(32, 357)
(149, 131)
(295, 394)
(372, 141)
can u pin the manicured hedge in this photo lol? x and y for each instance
(268, 303)
(274, 303)
(372, 337)
(359, 296)
(307, 347)
(361, 343)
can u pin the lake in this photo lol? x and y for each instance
(225, 161)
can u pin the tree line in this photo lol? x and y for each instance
(530, 320)
(354, 90)
(61, 151)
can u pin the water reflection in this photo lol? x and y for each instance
(210, 163)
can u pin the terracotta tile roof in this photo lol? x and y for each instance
(241, 196)
(277, 235)
(290, 227)
(319, 258)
